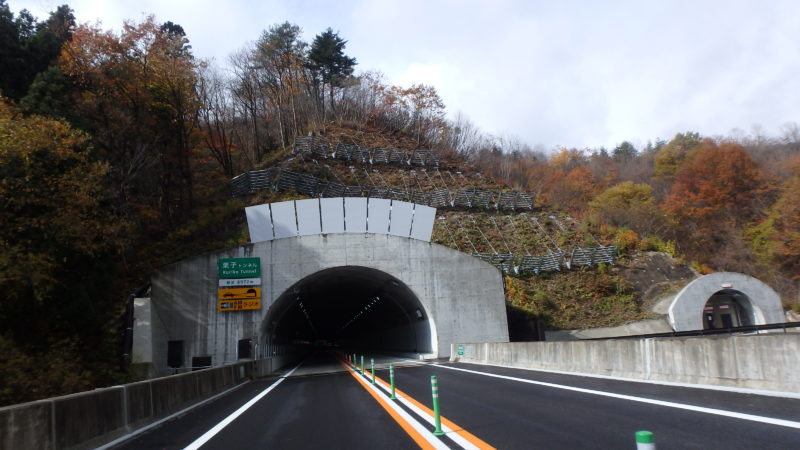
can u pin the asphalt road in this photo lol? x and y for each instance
(323, 406)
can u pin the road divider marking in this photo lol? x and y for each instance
(226, 421)
(702, 409)
(414, 429)
(458, 434)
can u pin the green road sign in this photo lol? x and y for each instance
(239, 267)
(460, 350)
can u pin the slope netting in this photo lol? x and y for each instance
(288, 180)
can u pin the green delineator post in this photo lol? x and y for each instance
(644, 440)
(354, 360)
(391, 380)
(362, 364)
(372, 369)
(437, 421)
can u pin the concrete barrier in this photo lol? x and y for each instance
(91, 419)
(765, 361)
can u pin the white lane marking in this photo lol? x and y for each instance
(139, 431)
(424, 432)
(718, 412)
(226, 421)
(429, 418)
(711, 387)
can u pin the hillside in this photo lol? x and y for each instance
(567, 293)
(118, 148)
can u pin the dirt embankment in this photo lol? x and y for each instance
(656, 274)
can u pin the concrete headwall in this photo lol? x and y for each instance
(768, 361)
(91, 419)
(686, 310)
(462, 295)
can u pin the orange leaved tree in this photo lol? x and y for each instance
(716, 193)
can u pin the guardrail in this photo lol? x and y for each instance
(94, 418)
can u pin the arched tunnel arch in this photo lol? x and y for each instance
(744, 299)
(352, 307)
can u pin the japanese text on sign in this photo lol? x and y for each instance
(238, 305)
(239, 267)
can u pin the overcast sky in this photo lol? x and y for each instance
(552, 73)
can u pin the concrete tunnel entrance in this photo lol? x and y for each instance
(350, 307)
(728, 308)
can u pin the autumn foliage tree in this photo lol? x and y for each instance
(777, 238)
(60, 249)
(137, 99)
(631, 205)
(717, 192)
(571, 191)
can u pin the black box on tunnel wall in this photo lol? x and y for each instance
(175, 354)
(245, 349)
(201, 362)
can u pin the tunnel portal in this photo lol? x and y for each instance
(724, 300)
(351, 307)
(355, 290)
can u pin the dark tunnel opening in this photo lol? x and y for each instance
(351, 307)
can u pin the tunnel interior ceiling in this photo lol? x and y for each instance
(351, 306)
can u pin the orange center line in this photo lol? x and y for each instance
(400, 421)
(476, 441)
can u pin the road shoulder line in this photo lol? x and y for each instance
(718, 412)
(711, 387)
(226, 421)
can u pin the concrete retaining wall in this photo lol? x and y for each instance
(90, 419)
(767, 361)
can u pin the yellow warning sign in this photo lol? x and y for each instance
(238, 305)
(243, 293)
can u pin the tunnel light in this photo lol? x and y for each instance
(727, 285)
(360, 313)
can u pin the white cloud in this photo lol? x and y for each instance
(574, 73)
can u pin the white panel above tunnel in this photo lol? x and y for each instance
(332, 215)
(339, 215)
(422, 225)
(378, 215)
(308, 217)
(259, 223)
(284, 220)
(402, 213)
(355, 215)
